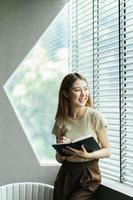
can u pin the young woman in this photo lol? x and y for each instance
(79, 176)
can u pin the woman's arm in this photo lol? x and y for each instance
(104, 143)
(59, 158)
(61, 139)
(102, 153)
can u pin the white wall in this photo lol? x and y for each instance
(22, 22)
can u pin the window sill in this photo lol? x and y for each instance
(52, 163)
(120, 187)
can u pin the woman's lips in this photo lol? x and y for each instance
(82, 99)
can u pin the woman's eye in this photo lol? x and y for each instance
(77, 90)
(86, 89)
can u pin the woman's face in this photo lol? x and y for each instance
(79, 93)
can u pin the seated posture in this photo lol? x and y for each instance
(79, 176)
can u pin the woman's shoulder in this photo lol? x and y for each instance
(98, 119)
(91, 111)
(94, 114)
(58, 124)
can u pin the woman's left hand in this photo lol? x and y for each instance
(78, 153)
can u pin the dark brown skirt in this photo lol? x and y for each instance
(77, 181)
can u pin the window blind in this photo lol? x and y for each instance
(101, 47)
(81, 38)
(127, 86)
(106, 78)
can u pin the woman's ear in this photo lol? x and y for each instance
(65, 94)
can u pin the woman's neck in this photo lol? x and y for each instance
(78, 113)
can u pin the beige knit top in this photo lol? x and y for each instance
(90, 124)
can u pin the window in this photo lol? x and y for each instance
(81, 37)
(101, 48)
(33, 87)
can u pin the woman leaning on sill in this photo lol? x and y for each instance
(79, 176)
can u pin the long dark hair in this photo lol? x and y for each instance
(64, 109)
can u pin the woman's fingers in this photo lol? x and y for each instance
(72, 151)
(75, 152)
(67, 151)
(83, 148)
(63, 139)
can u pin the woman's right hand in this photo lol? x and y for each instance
(63, 139)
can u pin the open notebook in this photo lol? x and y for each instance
(89, 143)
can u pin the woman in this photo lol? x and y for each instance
(79, 176)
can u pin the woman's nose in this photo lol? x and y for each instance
(82, 92)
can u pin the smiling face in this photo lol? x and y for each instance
(79, 93)
(73, 95)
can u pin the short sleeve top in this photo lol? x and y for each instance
(90, 124)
